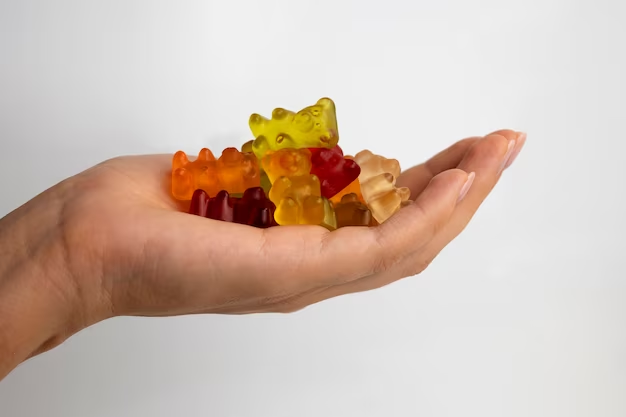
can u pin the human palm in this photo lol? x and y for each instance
(134, 251)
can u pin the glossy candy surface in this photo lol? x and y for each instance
(378, 185)
(292, 173)
(286, 163)
(298, 201)
(253, 208)
(353, 188)
(334, 171)
(350, 211)
(312, 127)
(234, 172)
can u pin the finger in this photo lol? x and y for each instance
(398, 238)
(415, 225)
(487, 158)
(521, 140)
(323, 259)
(419, 176)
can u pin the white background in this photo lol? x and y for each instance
(523, 315)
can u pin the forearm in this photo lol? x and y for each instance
(39, 302)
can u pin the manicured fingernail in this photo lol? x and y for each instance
(507, 156)
(521, 139)
(466, 186)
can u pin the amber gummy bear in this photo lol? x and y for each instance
(312, 127)
(378, 185)
(234, 172)
(350, 211)
(298, 201)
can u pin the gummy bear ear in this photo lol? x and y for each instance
(279, 187)
(253, 194)
(350, 166)
(363, 156)
(326, 103)
(206, 155)
(231, 155)
(315, 181)
(282, 182)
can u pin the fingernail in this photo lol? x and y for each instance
(466, 186)
(521, 139)
(507, 156)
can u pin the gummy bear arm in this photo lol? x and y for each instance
(256, 123)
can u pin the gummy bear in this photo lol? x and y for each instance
(234, 172)
(253, 208)
(312, 127)
(266, 184)
(352, 212)
(353, 188)
(334, 171)
(286, 163)
(298, 201)
(247, 147)
(378, 185)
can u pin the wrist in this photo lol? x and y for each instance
(42, 303)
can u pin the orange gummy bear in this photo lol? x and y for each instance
(266, 184)
(234, 172)
(378, 185)
(286, 163)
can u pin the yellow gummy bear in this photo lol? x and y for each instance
(312, 127)
(378, 185)
(298, 201)
(247, 147)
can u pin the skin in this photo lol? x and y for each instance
(111, 241)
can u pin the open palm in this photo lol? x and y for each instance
(132, 246)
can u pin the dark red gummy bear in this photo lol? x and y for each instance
(253, 208)
(334, 171)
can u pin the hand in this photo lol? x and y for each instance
(111, 241)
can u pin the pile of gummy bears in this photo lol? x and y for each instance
(293, 173)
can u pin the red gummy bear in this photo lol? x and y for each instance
(253, 208)
(334, 171)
